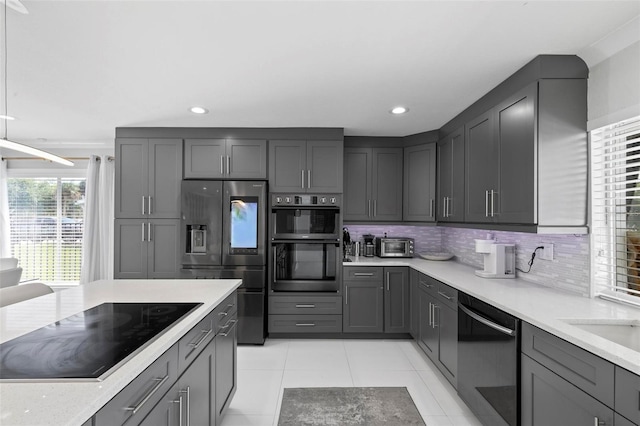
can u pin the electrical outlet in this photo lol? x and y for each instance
(547, 252)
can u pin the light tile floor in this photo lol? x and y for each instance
(264, 371)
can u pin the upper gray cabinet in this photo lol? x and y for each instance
(373, 184)
(147, 178)
(419, 196)
(225, 159)
(305, 166)
(451, 172)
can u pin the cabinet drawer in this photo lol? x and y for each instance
(583, 369)
(196, 339)
(363, 273)
(627, 394)
(305, 323)
(318, 305)
(427, 283)
(448, 295)
(225, 310)
(135, 401)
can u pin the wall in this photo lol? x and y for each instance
(568, 271)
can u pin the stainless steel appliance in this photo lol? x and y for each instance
(394, 247)
(89, 345)
(223, 235)
(488, 362)
(305, 243)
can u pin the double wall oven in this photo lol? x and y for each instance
(305, 248)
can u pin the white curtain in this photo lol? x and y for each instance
(5, 230)
(97, 247)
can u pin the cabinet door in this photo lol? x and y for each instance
(287, 165)
(165, 178)
(324, 166)
(414, 302)
(164, 251)
(387, 184)
(428, 333)
(357, 185)
(363, 307)
(482, 168)
(225, 368)
(130, 248)
(396, 300)
(516, 131)
(451, 177)
(132, 177)
(204, 158)
(247, 159)
(627, 394)
(196, 387)
(419, 200)
(167, 411)
(447, 322)
(549, 400)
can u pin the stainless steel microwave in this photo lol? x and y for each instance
(394, 247)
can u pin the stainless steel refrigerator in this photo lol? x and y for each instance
(223, 235)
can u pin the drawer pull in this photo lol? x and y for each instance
(306, 306)
(304, 324)
(154, 389)
(427, 285)
(227, 325)
(363, 274)
(205, 334)
(444, 295)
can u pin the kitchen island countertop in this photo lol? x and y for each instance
(72, 402)
(541, 306)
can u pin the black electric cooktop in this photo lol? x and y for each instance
(90, 344)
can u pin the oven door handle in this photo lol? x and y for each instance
(483, 320)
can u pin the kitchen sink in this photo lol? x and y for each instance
(622, 332)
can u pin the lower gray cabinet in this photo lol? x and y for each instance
(627, 398)
(363, 307)
(549, 400)
(226, 344)
(414, 303)
(428, 334)
(397, 314)
(305, 314)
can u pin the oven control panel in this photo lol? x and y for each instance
(319, 200)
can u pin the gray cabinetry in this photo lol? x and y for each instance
(147, 179)
(226, 343)
(438, 325)
(305, 166)
(419, 196)
(396, 300)
(146, 248)
(550, 400)
(451, 176)
(363, 307)
(305, 314)
(627, 395)
(373, 188)
(414, 302)
(225, 159)
(481, 168)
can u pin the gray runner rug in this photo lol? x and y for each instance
(348, 406)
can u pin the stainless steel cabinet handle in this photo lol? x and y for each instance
(150, 204)
(598, 422)
(188, 392)
(275, 264)
(302, 174)
(448, 206)
(431, 207)
(303, 324)
(142, 231)
(228, 165)
(346, 294)
(492, 194)
(180, 411)
(434, 316)
(305, 306)
(486, 203)
(444, 206)
(231, 324)
(143, 197)
(363, 274)
(368, 208)
(149, 231)
(222, 164)
(205, 334)
(426, 284)
(308, 178)
(375, 208)
(159, 382)
(388, 281)
(486, 322)
(444, 295)
(430, 313)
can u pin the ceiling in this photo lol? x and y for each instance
(78, 69)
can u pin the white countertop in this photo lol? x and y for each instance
(72, 403)
(538, 305)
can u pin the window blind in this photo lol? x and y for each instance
(615, 210)
(46, 224)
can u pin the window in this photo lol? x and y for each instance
(46, 221)
(615, 195)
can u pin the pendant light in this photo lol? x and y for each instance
(5, 142)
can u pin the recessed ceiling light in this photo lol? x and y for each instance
(399, 110)
(7, 117)
(199, 110)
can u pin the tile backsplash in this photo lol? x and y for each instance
(569, 269)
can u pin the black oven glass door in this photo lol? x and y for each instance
(303, 222)
(306, 266)
(396, 247)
